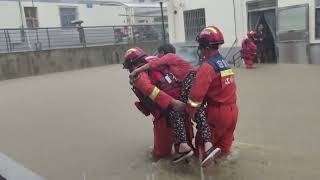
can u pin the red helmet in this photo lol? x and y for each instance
(250, 34)
(131, 56)
(210, 36)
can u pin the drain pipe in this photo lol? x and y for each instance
(235, 29)
(235, 21)
(25, 34)
(21, 14)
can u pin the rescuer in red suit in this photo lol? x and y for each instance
(184, 73)
(153, 100)
(215, 84)
(249, 50)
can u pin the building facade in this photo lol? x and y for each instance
(45, 24)
(59, 13)
(293, 25)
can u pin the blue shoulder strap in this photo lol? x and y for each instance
(218, 63)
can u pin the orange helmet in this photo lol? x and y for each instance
(132, 56)
(250, 34)
(210, 36)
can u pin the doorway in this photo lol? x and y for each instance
(264, 23)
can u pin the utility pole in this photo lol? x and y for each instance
(163, 27)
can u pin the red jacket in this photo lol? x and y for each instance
(214, 84)
(249, 49)
(144, 84)
(176, 65)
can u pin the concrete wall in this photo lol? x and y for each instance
(314, 53)
(284, 3)
(219, 14)
(176, 21)
(9, 15)
(15, 65)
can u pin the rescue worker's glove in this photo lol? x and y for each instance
(141, 108)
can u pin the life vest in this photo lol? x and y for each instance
(166, 82)
(164, 79)
(249, 49)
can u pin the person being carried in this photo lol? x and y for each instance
(152, 101)
(185, 73)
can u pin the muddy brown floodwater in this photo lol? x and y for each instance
(83, 125)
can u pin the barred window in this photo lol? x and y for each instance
(194, 22)
(68, 14)
(31, 15)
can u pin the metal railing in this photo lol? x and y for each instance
(237, 60)
(37, 39)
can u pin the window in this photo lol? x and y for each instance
(31, 17)
(194, 22)
(318, 19)
(68, 14)
(292, 19)
(293, 23)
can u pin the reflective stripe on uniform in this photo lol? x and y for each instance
(212, 29)
(227, 72)
(154, 93)
(193, 103)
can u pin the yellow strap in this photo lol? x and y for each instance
(154, 93)
(194, 104)
(228, 72)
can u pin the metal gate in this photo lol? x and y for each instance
(293, 34)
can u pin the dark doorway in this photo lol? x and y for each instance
(264, 23)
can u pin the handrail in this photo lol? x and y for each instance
(134, 25)
(229, 50)
(37, 39)
(234, 58)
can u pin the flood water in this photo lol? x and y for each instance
(82, 125)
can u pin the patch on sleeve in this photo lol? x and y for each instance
(227, 72)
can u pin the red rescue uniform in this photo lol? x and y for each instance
(163, 135)
(215, 84)
(176, 65)
(248, 52)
